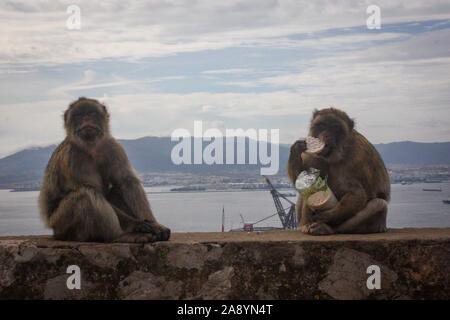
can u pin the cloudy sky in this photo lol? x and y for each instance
(160, 65)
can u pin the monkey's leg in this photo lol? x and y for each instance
(372, 219)
(304, 214)
(85, 215)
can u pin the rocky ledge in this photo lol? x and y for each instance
(412, 264)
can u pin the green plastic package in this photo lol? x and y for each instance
(309, 182)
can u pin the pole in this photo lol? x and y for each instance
(223, 218)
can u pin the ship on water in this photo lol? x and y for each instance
(433, 181)
(23, 189)
(192, 188)
(433, 189)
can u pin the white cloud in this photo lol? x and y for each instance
(209, 108)
(227, 71)
(393, 89)
(37, 35)
(394, 84)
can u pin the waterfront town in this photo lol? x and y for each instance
(251, 180)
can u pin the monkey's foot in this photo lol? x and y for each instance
(158, 231)
(161, 232)
(317, 229)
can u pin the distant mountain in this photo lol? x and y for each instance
(408, 152)
(25, 165)
(152, 154)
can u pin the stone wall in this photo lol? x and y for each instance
(414, 264)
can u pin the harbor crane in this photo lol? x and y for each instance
(287, 215)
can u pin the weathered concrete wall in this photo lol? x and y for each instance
(270, 265)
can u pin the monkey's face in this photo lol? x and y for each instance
(87, 121)
(332, 130)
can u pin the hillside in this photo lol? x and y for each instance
(152, 154)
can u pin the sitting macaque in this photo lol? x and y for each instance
(90, 191)
(355, 173)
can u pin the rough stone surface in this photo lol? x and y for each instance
(145, 285)
(414, 264)
(347, 276)
(218, 286)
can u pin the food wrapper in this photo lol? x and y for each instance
(314, 145)
(309, 182)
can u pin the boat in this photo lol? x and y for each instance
(446, 201)
(251, 228)
(432, 189)
(290, 194)
(433, 181)
(193, 188)
(24, 189)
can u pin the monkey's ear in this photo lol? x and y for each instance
(105, 110)
(344, 116)
(66, 115)
(351, 124)
(315, 113)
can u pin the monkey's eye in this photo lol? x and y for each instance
(95, 116)
(76, 117)
(319, 127)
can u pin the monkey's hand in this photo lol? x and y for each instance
(298, 147)
(295, 163)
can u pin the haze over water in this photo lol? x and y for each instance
(202, 211)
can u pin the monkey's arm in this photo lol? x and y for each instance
(131, 194)
(135, 199)
(127, 185)
(130, 224)
(350, 204)
(304, 214)
(50, 194)
(295, 163)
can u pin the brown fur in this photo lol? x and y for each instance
(90, 191)
(356, 174)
